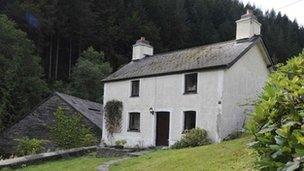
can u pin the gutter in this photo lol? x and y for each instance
(168, 73)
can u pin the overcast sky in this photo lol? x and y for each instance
(294, 9)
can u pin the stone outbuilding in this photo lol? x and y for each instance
(36, 123)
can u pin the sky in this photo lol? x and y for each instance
(294, 9)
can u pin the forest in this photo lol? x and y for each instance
(70, 45)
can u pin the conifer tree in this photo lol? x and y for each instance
(21, 86)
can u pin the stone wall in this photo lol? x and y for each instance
(38, 158)
(36, 125)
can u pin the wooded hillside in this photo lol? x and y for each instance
(79, 42)
(63, 29)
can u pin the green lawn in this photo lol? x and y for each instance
(230, 155)
(84, 163)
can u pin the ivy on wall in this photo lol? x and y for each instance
(113, 115)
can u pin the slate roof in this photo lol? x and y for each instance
(216, 55)
(91, 110)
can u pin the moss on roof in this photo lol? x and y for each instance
(215, 55)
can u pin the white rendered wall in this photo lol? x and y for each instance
(166, 93)
(242, 84)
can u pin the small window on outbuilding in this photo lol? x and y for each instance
(191, 83)
(135, 88)
(94, 109)
(190, 119)
(134, 121)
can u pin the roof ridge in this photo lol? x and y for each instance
(178, 50)
(58, 93)
(80, 111)
(208, 56)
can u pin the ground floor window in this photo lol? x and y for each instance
(190, 119)
(134, 121)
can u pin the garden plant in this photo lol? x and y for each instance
(277, 122)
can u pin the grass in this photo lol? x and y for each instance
(87, 163)
(229, 155)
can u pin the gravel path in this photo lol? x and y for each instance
(106, 165)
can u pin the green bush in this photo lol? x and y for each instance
(192, 138)
(233, 135)
(69, 132)
(27, 146)
(120, 142)
(277, 121)
(89, 139)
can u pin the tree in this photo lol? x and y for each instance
(74, 26)
(88, 74)
(63, 29)
(277, 121)
(21, 86)
(123, 22)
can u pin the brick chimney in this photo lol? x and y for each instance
(247, 26)
(141, 49)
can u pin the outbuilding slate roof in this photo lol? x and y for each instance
(91, 110)
(216, 55)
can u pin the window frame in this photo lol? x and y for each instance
(186, 113)
(132, 82)
(129, 124)
(186, 91)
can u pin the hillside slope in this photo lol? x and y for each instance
(229, 155)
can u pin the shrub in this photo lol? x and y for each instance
(120, 142)
(89, 139)
(277, 120)
(113, 114)
(192, 138)
(27, 146)
(68, 131)
(234, 135)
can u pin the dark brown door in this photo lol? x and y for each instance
(162, 128)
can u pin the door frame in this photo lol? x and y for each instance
(155, 125)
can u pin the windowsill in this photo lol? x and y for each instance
(134, 96)
(186, 93)
(185, 130)
(129, 130)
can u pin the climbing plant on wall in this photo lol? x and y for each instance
(113, 115)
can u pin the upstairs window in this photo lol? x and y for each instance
(134, 121)
(135, 88)
(191, 83)
(190, 119)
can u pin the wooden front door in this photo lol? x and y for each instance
(162, 128)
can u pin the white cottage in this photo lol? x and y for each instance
(205, 86)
